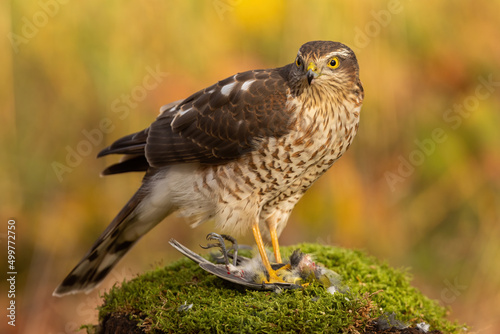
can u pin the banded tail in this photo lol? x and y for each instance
(135, 219)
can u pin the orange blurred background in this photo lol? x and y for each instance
(418, 188)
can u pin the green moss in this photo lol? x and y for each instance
(153, 300)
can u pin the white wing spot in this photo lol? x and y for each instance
(166, 108)
(247, 84)
(226, 89)
(171, 107)
(183, 112)
(179, 114)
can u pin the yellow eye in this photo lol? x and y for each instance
(334, 63)
(298, 62)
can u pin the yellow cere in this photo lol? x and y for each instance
(312, 66)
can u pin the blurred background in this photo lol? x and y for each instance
(418, 188)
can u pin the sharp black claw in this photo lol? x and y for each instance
(234, 247)
(222, 245)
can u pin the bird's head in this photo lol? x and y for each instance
(325, 64)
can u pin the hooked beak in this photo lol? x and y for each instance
(312, 72)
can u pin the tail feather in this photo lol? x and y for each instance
(131, 144)
(134, 163)
(125, 230)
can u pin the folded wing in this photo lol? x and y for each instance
(217, 124)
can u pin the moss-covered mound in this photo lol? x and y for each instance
(182, 298)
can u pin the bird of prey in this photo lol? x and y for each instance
(241, 152)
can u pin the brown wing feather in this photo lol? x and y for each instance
(130, 144)
(216, 124)
(219, 123)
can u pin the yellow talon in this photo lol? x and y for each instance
(273, 276)
(281, 275)
(274, 240)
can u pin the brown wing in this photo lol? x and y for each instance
(214, 125)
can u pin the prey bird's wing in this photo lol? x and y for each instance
(221, 272)
(187, 252)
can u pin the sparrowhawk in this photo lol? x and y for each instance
(241, 152)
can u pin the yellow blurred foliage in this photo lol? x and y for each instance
(260, 16)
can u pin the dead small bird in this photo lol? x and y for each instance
(251, 273)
